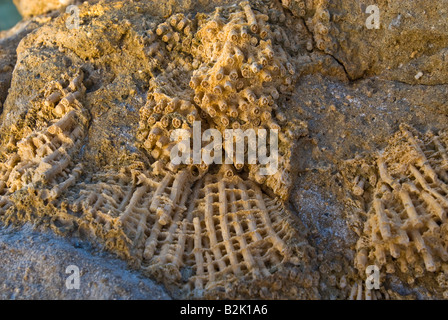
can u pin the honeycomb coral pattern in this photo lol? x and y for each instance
(158, 120)
(241, 88)
(234, 68)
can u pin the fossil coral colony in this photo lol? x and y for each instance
(204, 231)
(212, 230)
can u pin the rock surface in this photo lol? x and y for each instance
(35, 8)
(345, 88)
(34, 266)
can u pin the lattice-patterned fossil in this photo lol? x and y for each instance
(226, 238)
(232, 237)
(153, 214)
(236, 233)
(98, 205)
(135, 212)
(42, 159)
(406, 224)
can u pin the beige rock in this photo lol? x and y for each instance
(29, 8)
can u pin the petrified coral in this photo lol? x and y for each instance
(320, 27)
(230, 236)
(298, 7)
(280, 178)
(238, 234)
(39, 167)
(98, 205)
(159, 118)
(231, 67)
(153, 215)
(227, 70)
(248, 72)
(44, 157)
(238, 74)
(406, 226)
(130, 210)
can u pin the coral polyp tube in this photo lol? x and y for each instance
(251, 19)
